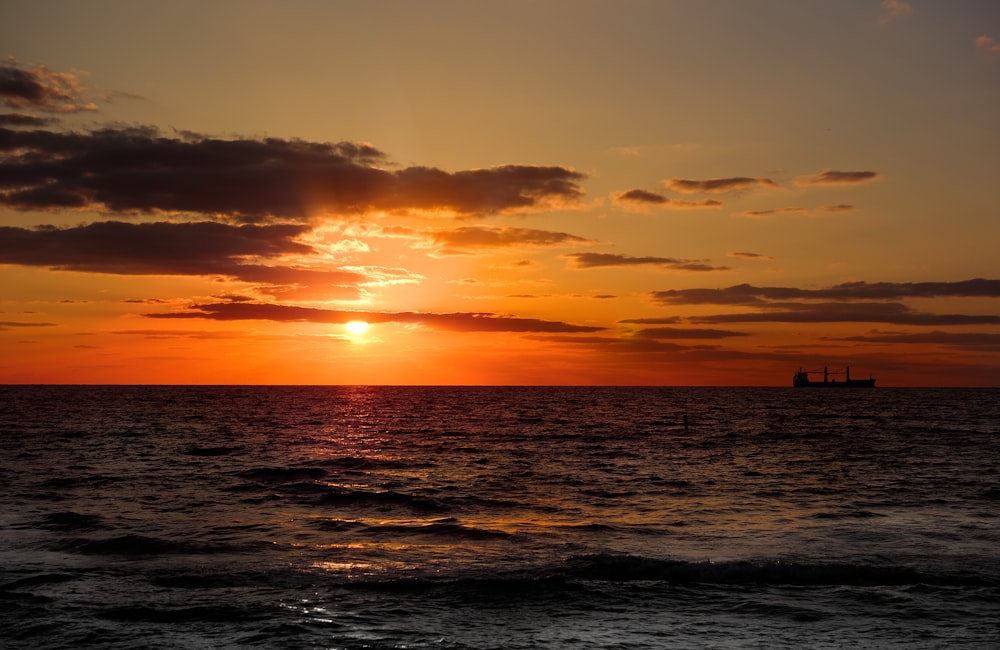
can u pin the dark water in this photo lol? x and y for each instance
(330, 517)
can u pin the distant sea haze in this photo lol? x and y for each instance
(477, 517)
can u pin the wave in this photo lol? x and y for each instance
(279, 475)
(344, 496)
(139, 545)
(853, 514)
(71, 521)
(448, 528)
(361, 463)
(594, 574)
(211, 451)
(40, 579)
(626, 568)
(202, 613)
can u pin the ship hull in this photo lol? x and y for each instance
(854, 383)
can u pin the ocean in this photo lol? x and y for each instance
(498, 517)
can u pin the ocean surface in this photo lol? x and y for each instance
(434, 517)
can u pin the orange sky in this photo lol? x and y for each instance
(678, 193)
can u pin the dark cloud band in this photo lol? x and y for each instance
(138, 170)
(459, 321)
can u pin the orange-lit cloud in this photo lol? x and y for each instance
(837, 178)
(41, 89)
(986, 44)
(597, 260)
(458, 321)
(719, 185)
(894, 9)
(138, 170)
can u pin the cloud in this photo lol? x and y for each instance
(894, 9)
(160, 247)
(642, 199)
(6, 325)
(41, 89)
(718, 185)
(750, 256)
(459, 321)
(640, 196)
(841, 312)
(138, 170)
(988, 340)
(668, 320)
(987, 44)
(771, 212)
(21, 119)
(489, 237)
(746, 294)
(686, 333)
(854, 302)
(837, 178)
(166, 248)
(597, 260)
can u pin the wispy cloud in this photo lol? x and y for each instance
(987, 340)
(139, 170)
(686, 333)
(746, 294)
(643, 199)
(744, 255)
(770, 212)
(665, 320)
(598, 260)
(13, 324)
(456, 321)
(893, 9)
(640, 196)
(500, 237)
(851, 312)
(794, 210)
(719, 185)
(41, 89)
(986, 44)
(23, 120)
(836, 178)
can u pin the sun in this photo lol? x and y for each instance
(356, 326)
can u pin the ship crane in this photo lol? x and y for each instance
(802, 378)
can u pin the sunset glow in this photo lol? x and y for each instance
(356, 326)
(675, 193)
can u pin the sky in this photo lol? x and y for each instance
(686, 192)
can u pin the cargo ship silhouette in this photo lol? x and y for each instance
(802, 380)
